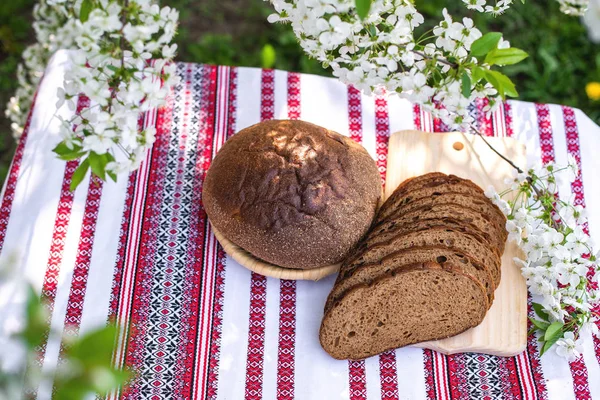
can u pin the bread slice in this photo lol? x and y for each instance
(438, 236)
(416, 181)
(487, 227)
(413, 304)
(430, 197)
(438, 184)
(397, 227)
(365, 273)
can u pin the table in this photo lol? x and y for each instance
(197, 325)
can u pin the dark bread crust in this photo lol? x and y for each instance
(436, 181)
(370, 318)
(292, 193)
(409, 184)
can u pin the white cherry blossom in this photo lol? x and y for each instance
(540, 286)
(572, 167)
(98, 143)
(556, 248)
(568, 347)
(570, 273)
(574, 7)
(576, 241)
(515, 232)
(475, 4)
(534, 247)
(110, 123)
(382, 55)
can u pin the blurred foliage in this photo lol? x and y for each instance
(15, 34)
(236, 32)
(86, 360)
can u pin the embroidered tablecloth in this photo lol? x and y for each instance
(197, 324)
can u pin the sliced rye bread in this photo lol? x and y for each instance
(438, 236)
(442, 255)
(414, 304)
(489, 228)
(398, 227)
(439, 184)
(425, 197)
(416, 181)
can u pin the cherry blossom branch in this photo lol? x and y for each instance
(534, 187)
(556, 260)
(438, 59)
(115, 40)
(512, 164)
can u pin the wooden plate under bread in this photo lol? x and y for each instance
(503, 332)
(254, 264)
(262, 267)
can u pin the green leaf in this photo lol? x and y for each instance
(91, 355)
(362, 8)
(539, 311)
(505, 56)
(466, 85)
(79, 174)
(541, 325)
(98, 163)
(84, 12)
(72, 156)
(36, 320)
(61, 149)
(491, 77)
(549, 343)
(67, 154)
(553, 330)
(88, 382)
(502, 83)
(106, 379)
(267, 56)
(95, 348)
(509, 87)
(112, 175)
(477, 73)
(553, 333)
(485, 44)
(71, 389)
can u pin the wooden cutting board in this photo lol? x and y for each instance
(503, 332)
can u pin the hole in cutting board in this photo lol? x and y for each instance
(458, 146)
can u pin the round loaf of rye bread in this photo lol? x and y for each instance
(292, 193)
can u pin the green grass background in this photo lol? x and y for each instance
(235, 32)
